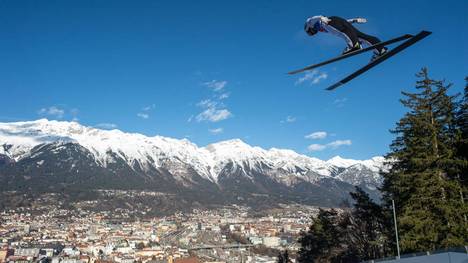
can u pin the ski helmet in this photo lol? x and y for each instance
(309, 28)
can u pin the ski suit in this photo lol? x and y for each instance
(342, 28)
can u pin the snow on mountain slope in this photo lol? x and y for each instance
(360, 174)
(18, 138)
(341, 162)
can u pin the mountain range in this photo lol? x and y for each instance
(52, 156)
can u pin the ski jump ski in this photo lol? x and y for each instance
(381, 59)
(409, 41)
(350, 54)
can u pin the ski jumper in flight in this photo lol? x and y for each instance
(344, 29)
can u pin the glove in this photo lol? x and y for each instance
(358, 20)
(361, 20)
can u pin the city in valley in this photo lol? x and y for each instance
(48, 232)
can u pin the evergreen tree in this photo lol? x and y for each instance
(424, 163)
(462, 146)
(323, 236)
(283, 257)
(427, 180)
(352, 236)
(461, 174)
(464, 117)
(367, 228)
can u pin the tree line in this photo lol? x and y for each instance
(427, 180)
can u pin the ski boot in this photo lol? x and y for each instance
(349, 49)
(379, 53)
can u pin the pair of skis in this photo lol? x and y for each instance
(410, 40)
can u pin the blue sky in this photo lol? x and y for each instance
(216, 70)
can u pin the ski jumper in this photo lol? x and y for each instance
(342, 28)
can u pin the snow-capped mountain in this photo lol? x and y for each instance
(59, 147)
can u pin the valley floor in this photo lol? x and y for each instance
(48, 230)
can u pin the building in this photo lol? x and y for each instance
(256, 240)
(271, 241)
(27, 252)
(4, 254)
(187, 260)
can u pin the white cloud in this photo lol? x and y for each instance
(207, 103)
(214, 111)
(216, 131)
(314, 77)
(216, 85)
(106, 125)
(145, 111)
(60, 112)
(317, 135)
(340, 102)
(316, 147)
(317, 79)
(332, 145)
(339, 143)
(223, 96)
(214, 115)
(52, 111)
(143, 115)
(149, 107)
(289, 119)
